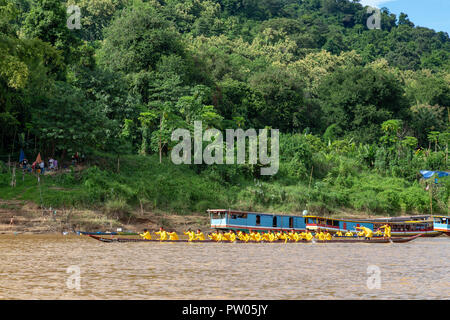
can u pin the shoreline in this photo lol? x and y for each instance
(30, 219)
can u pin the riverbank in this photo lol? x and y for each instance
(28, 218)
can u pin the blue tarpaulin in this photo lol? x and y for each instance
(429, 174)
(22, 155)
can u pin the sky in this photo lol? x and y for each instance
(433, 14)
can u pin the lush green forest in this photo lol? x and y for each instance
(360, 111)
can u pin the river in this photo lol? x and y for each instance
(78, 267)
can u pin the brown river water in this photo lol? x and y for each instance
(78, 267)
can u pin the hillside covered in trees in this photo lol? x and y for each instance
(360, 111)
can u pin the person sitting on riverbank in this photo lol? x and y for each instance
(173, 235)
(308, 236)
(199, 235)
(162, 234)
(190, 234)
(327, 235)
(338, 234)
(146, 235)
(349, 234)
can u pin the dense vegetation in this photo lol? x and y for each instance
(360, 111)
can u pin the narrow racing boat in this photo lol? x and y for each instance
(376, 240)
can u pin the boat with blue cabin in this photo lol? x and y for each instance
(442, 224)
(226, 219)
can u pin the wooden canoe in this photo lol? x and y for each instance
(378, 240)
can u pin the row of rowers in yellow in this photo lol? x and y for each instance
(256, 236)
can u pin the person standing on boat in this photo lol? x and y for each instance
(146, 235)
(387, 230)
(162, 234)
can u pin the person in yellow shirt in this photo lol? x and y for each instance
(327, 236)
(367, 232)
(296, 237)
(349, 234)
(146, 235)
(321, 236)
(308, 236)
(387, 230)
(199, 235)
(226, 236)
(190, 234)
(272, 236)
(173, 235)
(253, 235)
(339, 234)
(258, 237)
(162, 234)
(232, 236)
(378, 233)
(213, 236)
(220, 236)
(246, 237)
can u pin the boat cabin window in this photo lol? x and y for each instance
(274, 221)
(291, 222)
(258, 220)
(238, 216)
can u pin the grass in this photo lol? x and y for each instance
(145, 184)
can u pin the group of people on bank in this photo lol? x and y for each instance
(269, 236)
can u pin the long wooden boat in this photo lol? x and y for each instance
(376, 240)
(99, 233)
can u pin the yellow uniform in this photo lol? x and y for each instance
(146, 235)
(378, 233)
(232, 237)
(173, 236)
(309, 236)
(226, 236)
(199, 236)
(339, 234)
(321, 236)
(387, 231)
(247, 237)
(366, 232)
(258, 237)
(213, 236)
(162, 235)
(349, 234)
(190, 234)
(272, 237)
(327, 236)
(296, 237)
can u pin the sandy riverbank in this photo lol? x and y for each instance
(28, 218)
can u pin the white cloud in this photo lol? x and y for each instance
(375, 3)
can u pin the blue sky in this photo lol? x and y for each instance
(433, 14)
